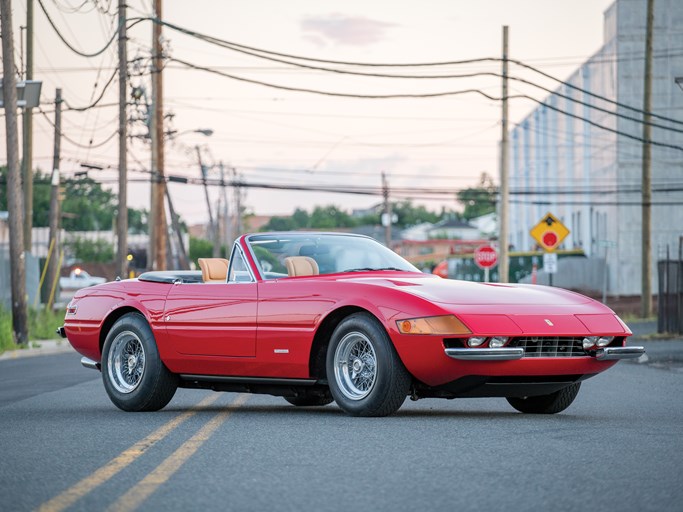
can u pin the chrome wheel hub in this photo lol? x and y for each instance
(355, 367)
(126, 362)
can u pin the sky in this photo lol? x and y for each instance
(273, 136)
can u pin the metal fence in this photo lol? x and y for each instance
(32, 278)
(670, 300)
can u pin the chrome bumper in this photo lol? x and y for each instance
(486, 354)
(89, 363)
(615, 353)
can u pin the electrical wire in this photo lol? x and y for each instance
(426, 95)
(248, 49)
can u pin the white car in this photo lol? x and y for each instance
(79, 278)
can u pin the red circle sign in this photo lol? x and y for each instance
(549, 239)
(485, 256)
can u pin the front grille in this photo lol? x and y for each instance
(550, 346)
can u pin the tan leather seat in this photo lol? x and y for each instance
(214, 270)
(301, 266)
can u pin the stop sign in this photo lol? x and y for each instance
(485, 257)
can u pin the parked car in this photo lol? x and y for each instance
(317, 317)
(79, 278)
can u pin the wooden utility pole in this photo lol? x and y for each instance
(27, 136)
(15, 204)
(122, 216)
(226, 214)
(212, 225)
(503, 212)
(386, 220)
(182, 253)
(158, 177)
(238, 204)
(55, 209)
(646, 254)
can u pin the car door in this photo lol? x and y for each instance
(215, 319)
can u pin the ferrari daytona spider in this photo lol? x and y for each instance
(322, 317)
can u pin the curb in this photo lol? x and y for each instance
(46, 347)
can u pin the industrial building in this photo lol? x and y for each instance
(590, 177)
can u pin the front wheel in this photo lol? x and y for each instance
(365, 374)
(546, 404)
(134, 376)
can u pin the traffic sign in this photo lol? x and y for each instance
(549, 232)
(485, 257)
(550, 262)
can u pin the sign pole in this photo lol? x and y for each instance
(486, 275)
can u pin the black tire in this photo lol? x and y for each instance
(309, 400)
(134, 376)
(378, 383)
(546, 404)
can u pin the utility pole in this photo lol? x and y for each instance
(503, 215)
(55, 207)
(27, 138)
(386, 220)
(226, 213)
(646, 267)
(182, 253)
(212, 226)
(122, 216)
(238, 204)
(158, 178)
(15, 205)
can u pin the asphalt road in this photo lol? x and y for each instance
(64, 446)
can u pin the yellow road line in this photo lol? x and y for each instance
(111, 468)
(146, 487)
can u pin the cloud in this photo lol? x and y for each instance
(342, 29)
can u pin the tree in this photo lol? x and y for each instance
(479, 200)
(86, 205)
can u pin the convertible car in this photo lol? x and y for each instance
(322, 317)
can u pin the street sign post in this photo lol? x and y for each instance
(485, 257)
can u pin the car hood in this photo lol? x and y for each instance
(448, 291)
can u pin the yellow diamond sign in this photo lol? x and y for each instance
(549, 232)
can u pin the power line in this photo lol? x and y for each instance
(248, 49)
(424, 95)
(78, 144)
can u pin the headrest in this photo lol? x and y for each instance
(214, 270)
(301, 266)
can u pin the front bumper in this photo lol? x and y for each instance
(616, 353)
(514, 353)
(486, 354)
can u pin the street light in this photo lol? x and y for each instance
(207, 132)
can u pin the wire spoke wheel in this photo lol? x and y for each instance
(126, 362)
(355, 367)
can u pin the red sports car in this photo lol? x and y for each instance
(317, 317)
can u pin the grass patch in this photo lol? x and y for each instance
(6, 339)
(42, 325)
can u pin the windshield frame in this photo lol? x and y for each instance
(252, 239)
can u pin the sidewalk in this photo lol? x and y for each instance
(39, 348)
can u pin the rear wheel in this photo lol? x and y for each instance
(134, 376)
(365, 374)
(546, 404)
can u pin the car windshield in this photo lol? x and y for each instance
(285, 254)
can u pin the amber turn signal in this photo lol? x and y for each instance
(444, 325)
